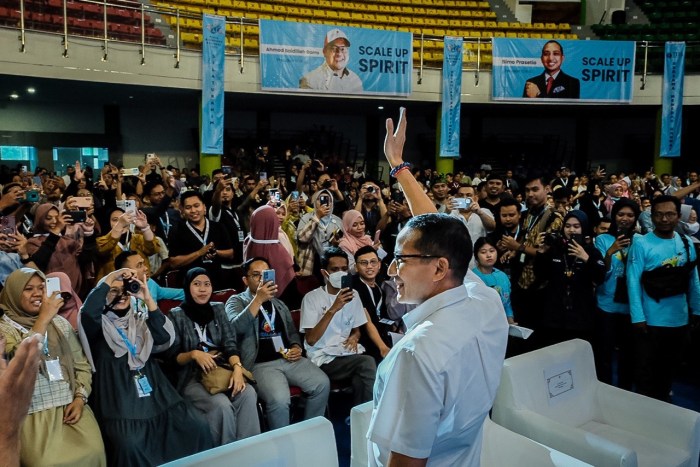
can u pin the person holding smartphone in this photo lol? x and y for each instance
(315, 231)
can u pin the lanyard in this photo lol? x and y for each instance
(201, 238)
(234, 216)
(270, 320)
(371, 296)
(202, 333)
(129, 345)
(533, 221)
(128, 242)
(166, 225)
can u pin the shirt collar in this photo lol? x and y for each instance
(330, 71)
(423, 311)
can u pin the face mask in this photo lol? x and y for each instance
(336, 279)
(690, 229)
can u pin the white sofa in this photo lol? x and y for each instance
(553, 396)
(310, 443)
(500, 447)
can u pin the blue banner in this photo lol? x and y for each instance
(320, 58)
(213, 46)
(672, 100)
(540, 70)
(451, 97)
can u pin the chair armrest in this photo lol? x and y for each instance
(651, 418)
(570, 440)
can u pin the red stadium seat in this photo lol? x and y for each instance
(222, 295)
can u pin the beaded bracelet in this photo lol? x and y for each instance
(399, 168)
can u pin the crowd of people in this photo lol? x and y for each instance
(609, 258)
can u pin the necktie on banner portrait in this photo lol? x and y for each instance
(451, 97)
(580, 71)
(213, 47)
(342, 60)
(672, 100)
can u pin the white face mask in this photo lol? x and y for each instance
(690, 229)
(336, 279)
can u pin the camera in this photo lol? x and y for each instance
(370, 189)
(553, 238)
(327, 184)
(131, 286)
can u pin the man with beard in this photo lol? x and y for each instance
(494, 193)
(440, 192)
(199, 242)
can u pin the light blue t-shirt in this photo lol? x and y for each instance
(164, 293)
(605, 292)
(650, 252)
(498, 280)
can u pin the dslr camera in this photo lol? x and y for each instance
(131, 286)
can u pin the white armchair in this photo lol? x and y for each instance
(500, 447)
(553, 396)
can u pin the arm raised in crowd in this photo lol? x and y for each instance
(418, 201)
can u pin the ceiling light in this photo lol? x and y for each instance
(381, 107)
(31, 90)
(14, 95)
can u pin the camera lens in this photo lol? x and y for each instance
(131, 286)
(370, 189)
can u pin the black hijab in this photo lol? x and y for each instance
(200, 314)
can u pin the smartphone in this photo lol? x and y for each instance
(32, 196)
(377, 235)
(268, 275)
(346, 282)
(324, 200)
(150, 156)
(53, 284)
(398, 196)
(37, 180)
(134, 172)
(77, 216)
(263, 175)
(83, 201)
(8, 225)
(226, 169)
(462, 203)
(128, 205)
(24, 169)
(295, 195)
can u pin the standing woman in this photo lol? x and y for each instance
(144, 420)
(202, 326)
(60, 430)
(613, 326)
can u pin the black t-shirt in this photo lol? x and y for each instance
(233, 225)
(266, 350)
(183, 241)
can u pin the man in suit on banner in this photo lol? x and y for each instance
(553, 83)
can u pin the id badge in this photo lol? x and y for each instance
(277, 343)
(241, 237)
(143, 387)
(522, 258)
(53, 369)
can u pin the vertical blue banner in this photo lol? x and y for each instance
(672, 100)
(451, 97)
(213, 46)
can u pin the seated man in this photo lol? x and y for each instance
(199, 242)
(263, 323)
(374, 335)
(331, 317)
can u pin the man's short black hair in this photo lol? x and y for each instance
(505, 202)
(365, 250)
(553, 42)
(666, 199)
(535, 177)
(561, 193)
(495, 176)
(150, 186)
(246, 266)
(122, 257)
(189, 194)
(332, 252)
(444, 236)
(6, 189)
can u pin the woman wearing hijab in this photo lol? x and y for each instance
(354, 236)
(614, 193)
(71, 302)
(144, 420)
(263, 241)
(60, 429)
(69, 254)
(130, 231)
(571, 267)
(202, 326)
(613, 326)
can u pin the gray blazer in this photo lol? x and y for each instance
(246, 326)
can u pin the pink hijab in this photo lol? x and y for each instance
(71, 306)
(264, 241)
(349, 242)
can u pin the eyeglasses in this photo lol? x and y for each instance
(665, 215)
(366, 263)
(255, 275)
(400, 259)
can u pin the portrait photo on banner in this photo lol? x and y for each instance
(548, 70)
(319, 58)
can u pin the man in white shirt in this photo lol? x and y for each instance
(331, 317)
(435, 387)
